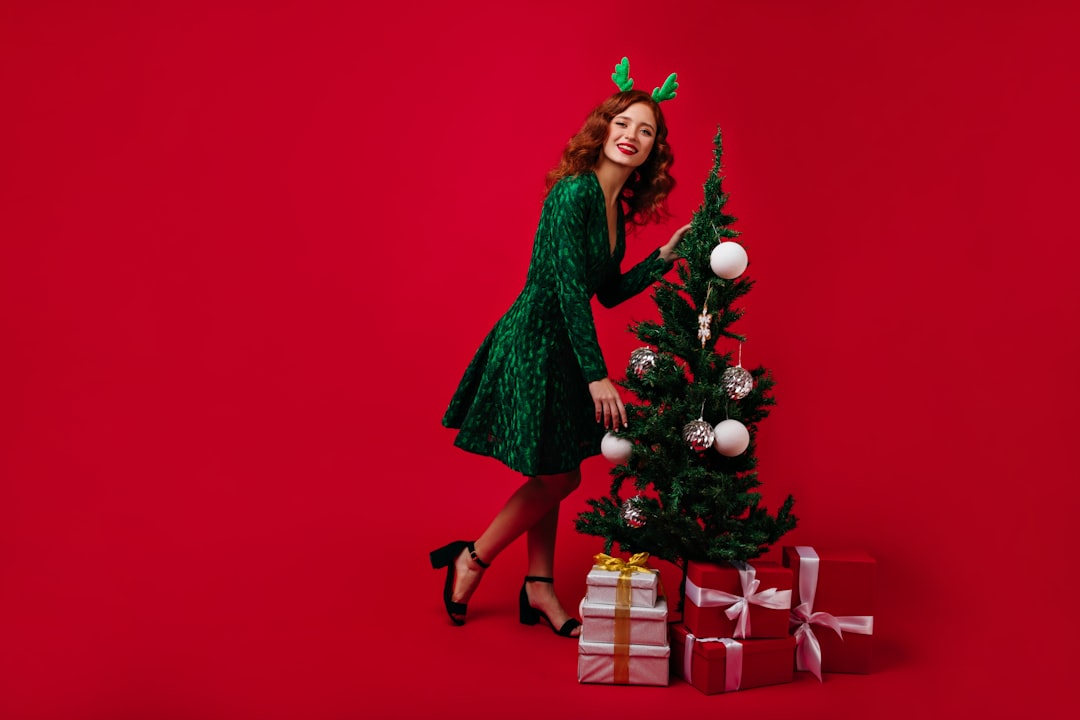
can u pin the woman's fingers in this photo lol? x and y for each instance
(611, 411)
(614, 413)
(609, 406)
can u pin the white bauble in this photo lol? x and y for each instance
(731, 438)
(615, 448)
(728, 260)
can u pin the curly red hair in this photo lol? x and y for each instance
(647, 188)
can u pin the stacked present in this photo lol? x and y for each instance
(624, 631)
(744, 626)
(734, 633)
(743, 623)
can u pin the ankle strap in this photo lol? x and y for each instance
(534, 578)
(476, 558)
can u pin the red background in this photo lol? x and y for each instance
(248, 249)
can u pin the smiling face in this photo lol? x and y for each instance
(630, 136)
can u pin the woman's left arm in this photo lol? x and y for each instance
(619, 287)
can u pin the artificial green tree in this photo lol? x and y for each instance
(669, 499)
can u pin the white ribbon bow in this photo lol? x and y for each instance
(807, 647)
(740, 604)
(732, 663)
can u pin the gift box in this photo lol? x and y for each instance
(716, 665)
(616, 582)
(623, 664)
(738, 600)
(831, 609)
(631, 625)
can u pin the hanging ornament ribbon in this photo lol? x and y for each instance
(733, 660)
(807, 647)
(772, 598)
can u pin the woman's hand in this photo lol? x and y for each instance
(609, 405)
(667, 252)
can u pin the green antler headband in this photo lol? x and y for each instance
(622, 79)
(667, 90)
(621, 76)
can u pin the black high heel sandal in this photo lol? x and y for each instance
(530, 615)
(444, 557)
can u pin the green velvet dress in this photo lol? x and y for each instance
(524, 399)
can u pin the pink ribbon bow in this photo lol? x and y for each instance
(732, 663)
(807, 647)
(740, 604)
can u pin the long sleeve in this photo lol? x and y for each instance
(616, 288)
(566, 221)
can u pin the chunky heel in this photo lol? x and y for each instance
(527, 614)
(531, 616)
(446, 554)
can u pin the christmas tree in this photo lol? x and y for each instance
(684, 489)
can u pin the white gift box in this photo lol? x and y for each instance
(601, 584)
(647, 626)
(628, 665)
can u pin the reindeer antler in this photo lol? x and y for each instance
(666, 91)
(621, 76)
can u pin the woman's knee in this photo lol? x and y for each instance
(561, 484)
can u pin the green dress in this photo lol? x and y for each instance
(524, 399)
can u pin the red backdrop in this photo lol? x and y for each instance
(248, 249)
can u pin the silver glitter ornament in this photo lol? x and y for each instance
(698, 434)
(642, 361)
(737, 382)
(631, 512)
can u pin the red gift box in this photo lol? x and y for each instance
(738, 600)
(716, 665)
(832, 609)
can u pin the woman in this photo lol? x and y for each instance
(537, 395)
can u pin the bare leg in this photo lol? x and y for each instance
(542, 596)
(536, 497)
(541, 540)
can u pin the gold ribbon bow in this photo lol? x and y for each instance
(636, 563)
